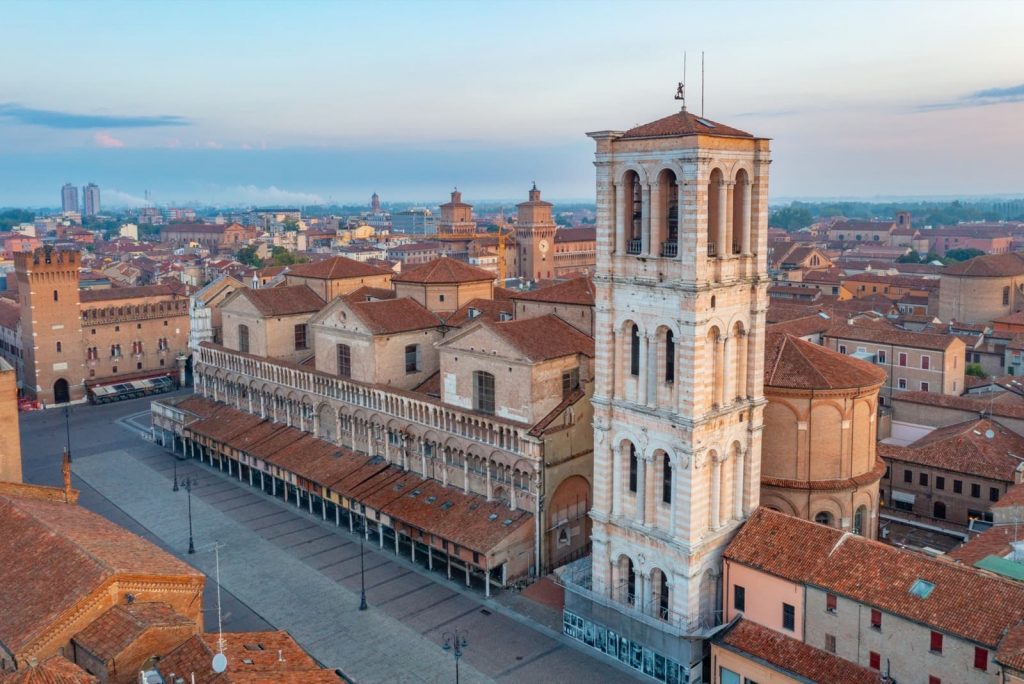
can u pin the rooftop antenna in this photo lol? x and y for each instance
(702, 84)
(220, 661)
(681, 86)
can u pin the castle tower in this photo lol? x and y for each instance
(535, 235)
(374, 203)
(456, 217)
(681, 292)
(51, 325)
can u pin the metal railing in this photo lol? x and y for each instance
(712, 249)
(634, 246)
(670, 248)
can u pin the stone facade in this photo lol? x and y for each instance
(681, 293)
(10, 437)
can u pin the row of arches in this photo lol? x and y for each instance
(654, 489)
(648, 364)
(648, 213)
(493, 474)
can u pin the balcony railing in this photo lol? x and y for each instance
(670, 248)
(505, 434)
(712, 249)
(634, 246)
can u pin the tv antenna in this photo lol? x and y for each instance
(702, 84)
(220, 661)
(681, 86)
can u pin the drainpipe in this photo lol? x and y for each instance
(538, 507)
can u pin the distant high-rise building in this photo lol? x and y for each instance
(415, 220)
(69, 198)
(91, 199)
(375, 203)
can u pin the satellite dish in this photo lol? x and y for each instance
(220, 662)
(989, 434)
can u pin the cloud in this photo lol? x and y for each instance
(106, 140)
(251, 194)
(53, 119)
(980, 98)
(116, 198)
(770, 113)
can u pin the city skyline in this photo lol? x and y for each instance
(860, 99)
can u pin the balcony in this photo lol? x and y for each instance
(634, 246)
(712, 249)
(670, 249)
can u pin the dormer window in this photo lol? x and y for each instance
(473, 313)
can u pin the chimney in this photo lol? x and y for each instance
(280, 655)
(66, 469)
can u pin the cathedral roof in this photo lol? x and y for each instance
(684, 123)
(443, 270)
(794, 363)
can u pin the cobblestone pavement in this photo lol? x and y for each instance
(266, 540)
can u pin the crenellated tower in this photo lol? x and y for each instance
(535, 236)
(51, 324)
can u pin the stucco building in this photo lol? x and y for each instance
(982, 289)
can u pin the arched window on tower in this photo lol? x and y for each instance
(634, 467)
(666, 479)
(670, 357)
(634, 351)
(823, 518)
(635, 213)
(858, 520)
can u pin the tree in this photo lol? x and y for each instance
(975, 370)
(280, 256)
(247, 256)
(12, 217)
(910, 257)
(963, 254)
(791, 218)
(290, 225)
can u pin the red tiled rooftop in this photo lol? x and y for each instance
(287, 300)
(113, 631)
(794, 363)
(336, 268)
(54, 670)
(988, 266)
(543, 338)
(443, 270)
(391, 316)
(965, 448)
(684, 123)
(578, 291)
(793, 656)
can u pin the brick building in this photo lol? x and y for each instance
(982, 289)
(213, 236)
(953, 474)
(84, 338)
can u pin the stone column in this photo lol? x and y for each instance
(465, 473)
(617, 480)
(716, 493)
(657, 220)
(737, 504)
(728, 393)
(651, 369)
(641, 489)
(622, 218)
(645, 220)
(721, 222)
(488, 479)
(745, 219)
(641, 397)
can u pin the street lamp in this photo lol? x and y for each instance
(175, 487)
(455, 642)
(362, 574)
(187, 483)
(67, 425)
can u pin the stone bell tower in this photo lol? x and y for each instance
(681, 292)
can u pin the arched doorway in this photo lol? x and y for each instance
(61, 392)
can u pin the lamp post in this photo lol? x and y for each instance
(187, 483)
(175, 487)
(362, 574)
(455, 643)
(67, 426)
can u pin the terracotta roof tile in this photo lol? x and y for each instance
(965, 448)
(578, 291)
(794, 363)
(287, 300)
(165, 290)
(116, 629)
(543, 338)
(684, 123)
(10, 314)
(565, 235)
(54, 670)
(390, 316)
(963, 602)
(995, 541)
(443, 270)
(1011, 649)
(67, 552)
(336, 268)
(886, 333)
(369, 294)
(263, 657)
(793, 656)
(489, 308)
(988, 266)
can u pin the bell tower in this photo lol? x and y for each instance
(681, 292)
(51, 325)
(535, 237)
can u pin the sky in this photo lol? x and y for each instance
(238, 102)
